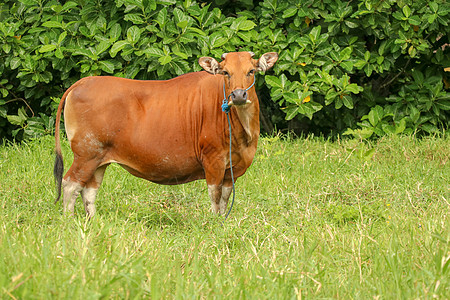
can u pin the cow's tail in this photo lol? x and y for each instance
(58, 169)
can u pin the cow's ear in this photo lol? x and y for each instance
(266, 61)
(210, 65)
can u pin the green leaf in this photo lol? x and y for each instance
(59, 54)
(183, 24)
(353, 88)
(118, 46)
(84, 68)
(338, 103)
(315, 33)
(375, 115)
(273, 81)
(351, 24)
(14, 63)
(6, 48)
(418, 76)
(246, 25)
(289, 12)
(197, 30)
(414, 113)
(387, 128)
(245, 36)
(412, 51)
(348, 101)
(443, 104)
(406, 11)
(3, 111)
(360, 64)
(133, 34)
(291, 112)
(4, 94)
(309, 108)
(56, 8)
(115, 32)
(330, 96)
(47, 48)
(347, 65)
(165, 59)
(345, 54)
(18, 119)
(15, 120)
(181, 54)
(434, 6)
(61, 37)
(219, 42)
(432, 18)
(401, 126)
(69, 5)
(134, 18)
(153, 51)
(161, 18)
(380, 60)
(52, 24)
(107, 66)
(102, 46)
(178, 15)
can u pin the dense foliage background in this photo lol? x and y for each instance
(365, 67)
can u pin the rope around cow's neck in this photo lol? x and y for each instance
(231, 167)
(226, 109)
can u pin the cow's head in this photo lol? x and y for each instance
(239, 70)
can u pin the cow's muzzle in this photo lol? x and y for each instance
(239, 97)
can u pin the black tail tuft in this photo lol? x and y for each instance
(58, 171)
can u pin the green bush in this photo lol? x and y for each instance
(360, 67)
(372, 67)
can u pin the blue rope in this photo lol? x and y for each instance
(231, 165)
(226, 109)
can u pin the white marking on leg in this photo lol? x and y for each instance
(89, 195)
(214, 195)
(71, 192)
(226, 192)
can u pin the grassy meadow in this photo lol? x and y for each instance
(313, 219)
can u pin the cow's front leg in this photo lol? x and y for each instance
(214, 173)
(227, 188)
(215, 194)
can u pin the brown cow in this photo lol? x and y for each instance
(168, 132)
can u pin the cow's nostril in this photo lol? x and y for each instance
(239, 96)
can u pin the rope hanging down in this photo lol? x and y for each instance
(226, 109)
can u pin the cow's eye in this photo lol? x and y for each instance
(251, 72)
(226, 73)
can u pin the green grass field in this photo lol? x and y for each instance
(312, 219)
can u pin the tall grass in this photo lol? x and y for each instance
(312, 219)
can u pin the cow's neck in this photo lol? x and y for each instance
(249, 121)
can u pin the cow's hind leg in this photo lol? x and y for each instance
(89, 192)
(71, 190)
(75, 180)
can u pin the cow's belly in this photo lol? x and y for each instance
(167, 173)
(160, 165)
